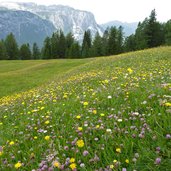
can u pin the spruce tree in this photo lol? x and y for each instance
(46, 50)
(35, 51)
(25, 52)
(3, 54)
(11, 47)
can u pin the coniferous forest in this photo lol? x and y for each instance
(149, 33)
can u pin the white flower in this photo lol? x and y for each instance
(108, 130)
(119, 120)
(109, 97)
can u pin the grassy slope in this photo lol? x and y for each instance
(17, 76)
(118, 106)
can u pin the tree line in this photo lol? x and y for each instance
(149, 33)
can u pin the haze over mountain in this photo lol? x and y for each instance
(32, 23)
(129, 28)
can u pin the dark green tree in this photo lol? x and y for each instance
(62, 45)
(141, 38)
(55, 45)
(25, 52)
(130, 44)
(74, 51)
(46, 51)
(11, 47)
(112, 42)
(3, 54)
(35, 51)
(120, 38)
(69, 41)
(97, 46)
(167, 33)
(154, 31)
(86, 45)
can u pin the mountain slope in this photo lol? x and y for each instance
(129, 28)
(27, 27)
(63, 17)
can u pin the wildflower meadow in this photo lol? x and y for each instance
(110, 113)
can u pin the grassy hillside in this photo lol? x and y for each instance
(17, 76)
(113, 113)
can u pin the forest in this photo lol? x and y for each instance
(149, 33)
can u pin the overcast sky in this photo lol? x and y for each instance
(108, 10)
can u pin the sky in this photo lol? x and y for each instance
(109, 10)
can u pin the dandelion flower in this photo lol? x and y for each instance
(78, 116)
(56, 164)
(47, 122)
(11, 143)
(47, 138)
(73, 166)
(18, 165)
(94, 111)
(127, 161)
(72, 160)
(85, 103)
(118, 150)
(80, 143)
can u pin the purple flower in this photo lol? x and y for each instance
(158, 160)
(123, 169)
(85, 153)
(168, 136)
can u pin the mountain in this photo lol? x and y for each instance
(27, 27)
(63, 17)
(129, 28)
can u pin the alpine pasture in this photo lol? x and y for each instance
(108, 113)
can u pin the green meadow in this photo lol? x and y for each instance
(99, 114)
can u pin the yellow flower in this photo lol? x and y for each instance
(47, 122)
(111, 166)
(85, 103)
(65, 96)
(47, 138)
(97, 126)
(80, 128)
(130, 70)
(1, 153)
(35, 137)
(102, 114)
(17, 165)
(94, 111)
(56, 164)
(118, 150)
(114, 161)
(78, 116)
(127, 161)
(80, 143)
(73, 166)
(72, 160)
(168, 104)
(11, 143)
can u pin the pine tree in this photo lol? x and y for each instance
(55, 45)
(25, 52)
(11, 47)
(167, 33)
(97, 47)
(46, 50)
(62, 45)
(112, 42)
(35, 51)
(69, 41)
(74, 51)
(86, 45)
(3, 54)
(154, 31)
